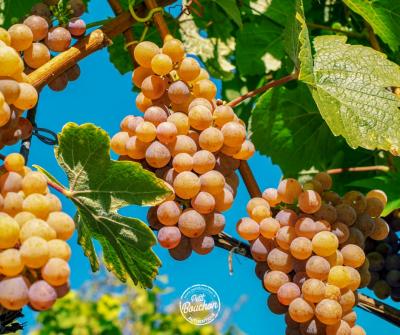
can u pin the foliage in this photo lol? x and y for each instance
(99, 193)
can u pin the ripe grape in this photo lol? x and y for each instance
(382, 289)
(77, 27)
(118, 143)
(346, 214)
(203, 161)
(139, 74)
(182, 162)
(181, 121)
(182, 251)
(201, 102)
(10, 62)
(280, 260)
(223, 200)
(168, 213)
(353, 255)
(42, 296)
(374, 207)
(341, 231)
(188, 69)
(183, 143)
(186, 185)
(56, 271)
(14, 293)
(317, 267)
(200, 117)
(313, 290)
(272, 196)
(204, 88)
(62, 223)
(273, 280)
(300, 247)
(27, 97)
(169, 237)
(9, 232)
(285, 236)
(355, 278)
(340, 328)
(10, 262)
(59, 83)
(37, 227)
(234, 134)
(191, 223)
(356, 237)
(153, 87)
(357, 330)
(144, 53)
(179, 92)
(325, 179)
(335, 259)
(378, 194)
(306, 227)
(286, 217)
(212, 182)
(328, 311)
(332, 292)
(248, 229)
(325, 243)
(14, 162)
(381, 229)
(156, 115)
(365, 224)
(347, 300)
(356, 200)
(13, 203)
(60, 249)
(260, 213)
(289, 190)
(146, 131)
(58, 39)
(36, 55)
(174, 49)
(269, 227)
(203, 202)
(313, 185)
(339, 276)
(211, 139)
(135, 148)
(215, 223)
(5, 36)
(301, 310)
(287, 293)
(350, 318)
(327, 212)
(23, 217)
(10, 90)
(161, 64)
(260, 248)
(34, 182)
(223, 114)
(202, 245)
(34, 252)
(247, 150)
(309, 201)
(142, 102)
(21, 36)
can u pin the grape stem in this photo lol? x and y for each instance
(373, 40)
(58, 188)
(341, 31)
(383, 168)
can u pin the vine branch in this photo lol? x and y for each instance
(383, 168)
(342, 31)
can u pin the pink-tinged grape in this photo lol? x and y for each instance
(37, 227)
(269, 227)
(56, 271)
(317, 267)
(62, 290)
(327, 212)
(211, 139)
(182, 251)
(10, 89)
(146, 131)
(347, 300)
(77, 27)
(118, 142)
(382, 289)
(325, 243)
(34, 182)
(357, 330)
(350, 318)
(182, 162)
(223, 114)
(166, 132)
(140, 74)
(157, 155)
(14, 293)
(215, 223)
(223, 200)
(13, 203)
(306, 227)
(27, 97)
(356, 200)
(42, 296)
(285, 236)
(273, 280)
(181, 122)
(155, 115)
(202, 244)
(179, 92)
(381, 229)
(313, 290)
(174, 49)
(212, 182)
(36, 55)
(11, 263)
(129, 124)
(169, 237)
(309, 201)
(60, 249)
(287, 293)
(142, 102)
(203, 161)
(200, 117)
(339, 276)
(191, 223)
(183, 143)
(300, 247)
(59, 83)
(280, 260)
(21, 36)
(10, 182)
(341, 231)
(144, 53)
(204, 88)
(301, 310)
(168, 213)
(340, 328)
(248, 229)
(355, 279)
(153, 87)
(312, 327)
(203, 202)
(353, 255)
(34, 252)
(286, 217)
(234, 134)
(332, 292)
(378, 194)
(62, 223)
(289, 190)
(374, 207)
(346, 214)
(188, 69)
(135, 148)
(275, 306)
(365, 224)
(186, 185)
(200, 102)
(58, 39)
(272, 196)
(161, 64)
(260, 248)
(9, 232)
(335, 259)
(328, 311)
(325, 179)
(10, 62)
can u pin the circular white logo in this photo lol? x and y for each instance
(200, 304)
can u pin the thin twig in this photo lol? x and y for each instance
(383, 168)
(341, 31)
(26, 144)
(373, 40)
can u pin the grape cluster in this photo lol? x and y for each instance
(187, 138)
(308, 244)
(33, 234)
(384, 262)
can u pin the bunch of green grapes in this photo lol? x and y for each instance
(384, 262)
(188, 139)
(308, 243)
(33, 233)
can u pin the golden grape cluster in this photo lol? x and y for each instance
(33, 233)
(308, 244)
(187, 138)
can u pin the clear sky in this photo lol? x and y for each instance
(103, 97)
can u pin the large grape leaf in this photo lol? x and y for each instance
(351, 91)
(383, 16)
(99, 187)
(285, 124)
(231, 9)
(11, 11)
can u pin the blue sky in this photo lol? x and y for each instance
(103, 97)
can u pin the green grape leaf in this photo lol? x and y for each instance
(287, 120)
(389, 183)
(231, 9)
(254, 41)
(99, 187)
(119, 56)
(351, 91)
(383, 16)
(12, 11)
